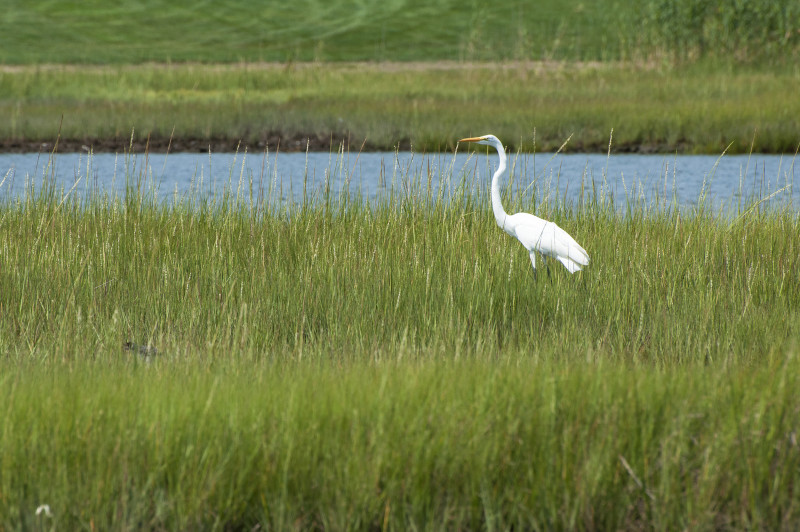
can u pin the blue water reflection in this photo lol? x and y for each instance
(289, 177)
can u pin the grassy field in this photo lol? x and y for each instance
(237, 362)
(429, 106)
(416, 269)
(44, 31)
(308, 30)
(336, 364)
(666, 75)
(427, 443)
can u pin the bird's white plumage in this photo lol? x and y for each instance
(537, 235)
(547, 238)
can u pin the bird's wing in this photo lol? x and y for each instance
(548, 238)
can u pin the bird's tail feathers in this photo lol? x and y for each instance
(571, 265)
(582, 258)
(575, 253)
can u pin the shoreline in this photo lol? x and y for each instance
(294, 144)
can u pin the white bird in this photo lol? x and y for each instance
(537, 235)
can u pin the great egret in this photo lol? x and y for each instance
(537, 235)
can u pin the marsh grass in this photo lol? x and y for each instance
(758, 31)
(245, 271)
(698, 109)
(432, 444)
(339, 363)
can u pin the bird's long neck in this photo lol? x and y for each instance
(497, 206)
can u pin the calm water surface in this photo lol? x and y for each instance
(287, 176)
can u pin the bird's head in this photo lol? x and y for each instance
(486, 140)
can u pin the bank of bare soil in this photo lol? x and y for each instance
(276, 141)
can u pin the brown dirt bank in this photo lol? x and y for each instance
(296, 143)
(158, 144)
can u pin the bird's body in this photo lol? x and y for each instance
(535, 234)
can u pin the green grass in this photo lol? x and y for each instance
(690, 109)
(756, 31)
(343, 365)
(665, 286)
(308, 30)
(45, 31)
(429, 444)
(694, 76)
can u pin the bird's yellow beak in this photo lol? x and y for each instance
(472, 139)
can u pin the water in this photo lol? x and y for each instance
(653, 179)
